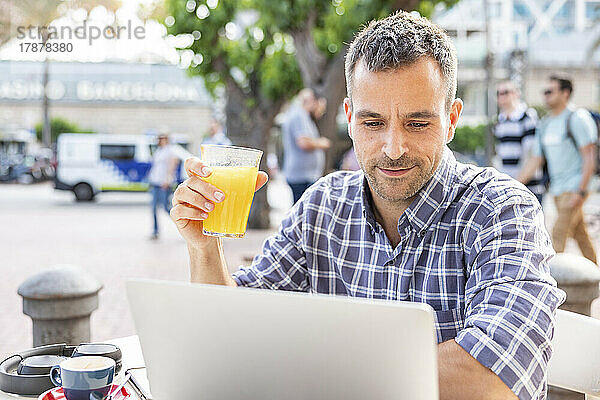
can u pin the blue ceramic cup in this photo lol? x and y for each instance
(84, 378)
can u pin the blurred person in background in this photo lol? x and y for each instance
(303, 147)
(216, 135)
(515, 134)
(566, 140)
(319, 109)
(162, 178)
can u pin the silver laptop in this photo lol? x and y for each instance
(213, 342)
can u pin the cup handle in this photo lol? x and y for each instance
(55, 375)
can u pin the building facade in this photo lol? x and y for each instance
(529, 40)
(123, 98)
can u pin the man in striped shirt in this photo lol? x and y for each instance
(412, 224)
(515, 132)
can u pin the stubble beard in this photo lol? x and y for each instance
(397, 189)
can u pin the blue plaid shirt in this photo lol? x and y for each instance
(473, 246)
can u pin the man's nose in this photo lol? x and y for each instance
(395, 144)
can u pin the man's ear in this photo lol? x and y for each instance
(348, 111)
(455, 111)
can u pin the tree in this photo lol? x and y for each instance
(59, 125)
(233, 48)
(262, 52)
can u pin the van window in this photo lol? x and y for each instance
(117, 152)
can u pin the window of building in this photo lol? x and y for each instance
(117, 152)
(566, 11)
(592, 10)
(521, 10)
(494, 10)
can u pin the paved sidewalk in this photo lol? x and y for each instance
(40, 227)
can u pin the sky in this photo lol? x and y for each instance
(138, 41)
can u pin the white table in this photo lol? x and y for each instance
(132, 357)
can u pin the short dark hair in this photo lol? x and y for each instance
(563, 83)
(398, 41)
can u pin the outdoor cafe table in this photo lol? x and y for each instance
(132, 357)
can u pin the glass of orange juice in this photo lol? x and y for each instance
(234, 171)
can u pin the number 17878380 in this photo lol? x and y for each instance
(46, 47)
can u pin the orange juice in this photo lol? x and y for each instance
(229, 218)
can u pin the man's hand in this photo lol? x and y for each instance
(576, 200)
(309, 143)
(528, 170)
(324, 143)
(195, 198)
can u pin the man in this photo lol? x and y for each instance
(566, 141)
(413, 224)
(216, 135)
(515, 132)
(161, 178)
(303, 148)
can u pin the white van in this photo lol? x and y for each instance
(91, 163)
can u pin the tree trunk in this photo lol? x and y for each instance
(260, 211)
(334, 90)
(248, 127)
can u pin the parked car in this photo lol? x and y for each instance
(88, 164)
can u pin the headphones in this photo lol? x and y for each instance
(28, 372)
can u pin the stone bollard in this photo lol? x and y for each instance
(579, 278)
(60, 301)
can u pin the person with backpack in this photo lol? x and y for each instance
(566, 140)
(515, 134)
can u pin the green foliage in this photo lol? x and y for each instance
(249, 40)
(59, 125)
(235, 43)
(540, 109)
(336, 21)
(469, 139)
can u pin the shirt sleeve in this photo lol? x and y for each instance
(529, 138)
(282, 262)
(583, 128)
(511, 298)
(536, 145)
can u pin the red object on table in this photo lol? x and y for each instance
(57, 394)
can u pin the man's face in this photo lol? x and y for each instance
(399, 126)
(312, 104)
(215, 127)
(507, 96)
(553, 96)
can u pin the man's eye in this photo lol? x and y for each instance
(418, 125)
(372, 124)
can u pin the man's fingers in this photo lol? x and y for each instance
(203, 188)
(187, 212)
(194, 166)
(185, 195)
(261, 179)
(196, 169)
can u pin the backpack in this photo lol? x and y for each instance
(596, 117)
